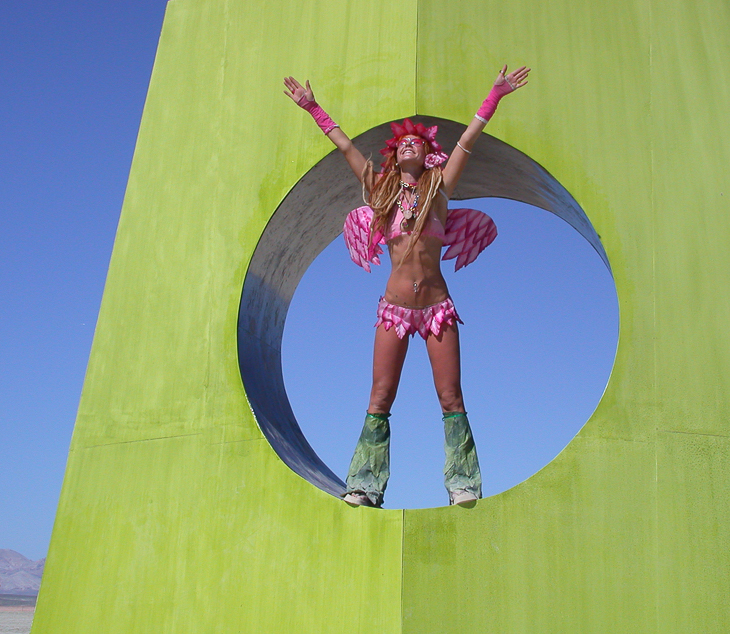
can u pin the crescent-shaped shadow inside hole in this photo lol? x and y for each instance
(307, 220)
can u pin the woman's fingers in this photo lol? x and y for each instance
(289, 92)
(294, 89)
(501, 78)
(521, 75)
(292, 84)
(518, 78)
(297, 90)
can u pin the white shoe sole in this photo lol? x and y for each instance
(462, 497)
(360, 499)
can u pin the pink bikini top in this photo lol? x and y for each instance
(433, 227)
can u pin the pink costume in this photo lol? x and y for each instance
(467, 233)
(433, 227)
(426, 320)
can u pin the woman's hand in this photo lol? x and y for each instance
(516, 79)
(304, 98)
(295, 91)
(504, 85)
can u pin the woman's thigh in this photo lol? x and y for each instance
(388, 356)
(445, 356)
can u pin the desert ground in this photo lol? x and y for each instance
(16, 620)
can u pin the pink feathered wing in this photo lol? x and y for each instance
(357, 238)
(468, 233)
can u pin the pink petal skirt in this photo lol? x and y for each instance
(424, 321)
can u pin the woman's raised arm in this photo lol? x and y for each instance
(505, 84)
(304, 98)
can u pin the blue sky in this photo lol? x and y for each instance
(538, 343)
(539, 306)
(74, 77)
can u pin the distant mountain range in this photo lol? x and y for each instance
(18, 574)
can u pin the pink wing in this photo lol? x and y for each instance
(357, 238)
(468, 233)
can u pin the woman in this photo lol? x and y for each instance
(408, 211)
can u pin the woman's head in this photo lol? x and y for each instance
(410, 143)
(405, 144)
(411, 149)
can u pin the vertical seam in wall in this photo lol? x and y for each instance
(403, 512)
(654, 322)
(402, 564)
(415, 78)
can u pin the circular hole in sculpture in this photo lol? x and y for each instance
(538, 344)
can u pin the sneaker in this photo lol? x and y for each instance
(358, 498)
(460, 496)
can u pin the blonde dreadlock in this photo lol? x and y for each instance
(384, 192)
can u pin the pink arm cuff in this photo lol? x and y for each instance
(321, 118)
(490, 104)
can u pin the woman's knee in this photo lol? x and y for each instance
(381, 398)
(451, 399)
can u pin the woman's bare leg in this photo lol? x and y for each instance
(369, 469)
(445, 356)
(388, 356)
(462, 477)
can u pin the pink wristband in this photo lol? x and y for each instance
(321, 118)
(487, 109)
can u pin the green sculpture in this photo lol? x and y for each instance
(176, 513)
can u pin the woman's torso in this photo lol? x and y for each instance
(418, 282)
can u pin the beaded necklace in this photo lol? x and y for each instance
(410, 212)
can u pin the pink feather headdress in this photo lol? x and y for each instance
(415, 129)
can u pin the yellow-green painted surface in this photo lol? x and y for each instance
(176, 516)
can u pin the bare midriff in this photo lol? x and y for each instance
(418, 281)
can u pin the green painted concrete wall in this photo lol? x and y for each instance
(176, 516)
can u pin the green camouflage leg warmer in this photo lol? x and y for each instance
(370, 466)
(461, 469)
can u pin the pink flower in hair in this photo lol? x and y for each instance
(408, 128)
(435, 158)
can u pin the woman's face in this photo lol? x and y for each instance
(411, 148)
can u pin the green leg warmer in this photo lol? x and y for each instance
(461, 470)
(370, 466)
